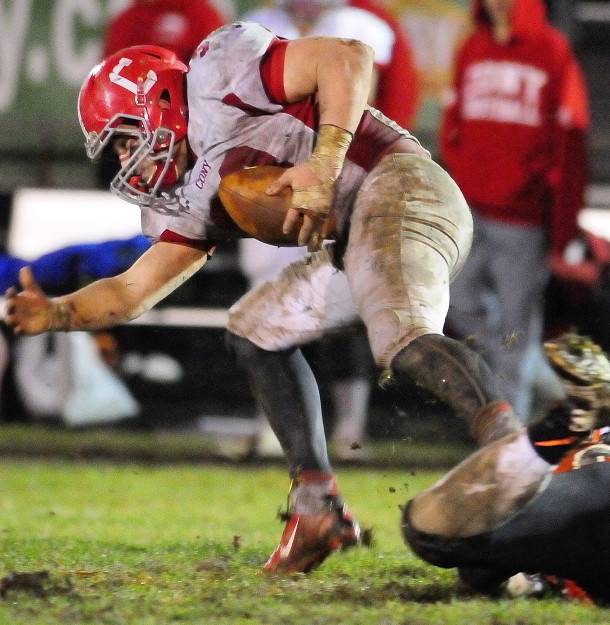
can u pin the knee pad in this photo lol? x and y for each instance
(461, 379)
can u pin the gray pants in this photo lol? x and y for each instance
(498, 299)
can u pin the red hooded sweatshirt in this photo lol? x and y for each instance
(178, 25)
(514, 131)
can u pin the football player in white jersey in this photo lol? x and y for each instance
(403, 231)
(352, 371)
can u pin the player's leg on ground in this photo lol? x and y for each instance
(264, 328)
(562, 531)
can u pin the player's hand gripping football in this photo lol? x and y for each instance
(313, 185)
(311, 198)
(28, 311)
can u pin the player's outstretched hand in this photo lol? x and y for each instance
(28, 311)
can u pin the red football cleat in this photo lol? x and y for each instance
(309, 538)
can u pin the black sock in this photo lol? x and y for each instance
(552, 436)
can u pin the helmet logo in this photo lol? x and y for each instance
(142, 87)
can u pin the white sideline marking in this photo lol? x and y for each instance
(184, 317)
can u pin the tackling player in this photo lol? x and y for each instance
(249, 98)
(535, 501)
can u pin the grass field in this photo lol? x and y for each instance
(153, 544)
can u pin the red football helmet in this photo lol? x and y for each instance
(139, 92)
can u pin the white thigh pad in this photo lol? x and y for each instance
(307, 299)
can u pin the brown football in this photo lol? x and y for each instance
(242, 193)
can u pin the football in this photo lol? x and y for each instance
(259, 215)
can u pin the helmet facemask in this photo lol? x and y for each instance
(157, 146)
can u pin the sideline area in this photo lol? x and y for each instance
(175, 446)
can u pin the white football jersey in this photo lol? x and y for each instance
(233, 124)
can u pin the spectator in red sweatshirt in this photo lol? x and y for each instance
(513, 136)
(178, 25)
